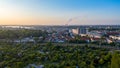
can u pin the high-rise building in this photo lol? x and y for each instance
(80, 31)
(83, 31)
(75, 31)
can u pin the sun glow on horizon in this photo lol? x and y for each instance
(28, 12)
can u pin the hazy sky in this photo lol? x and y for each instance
(59, 12)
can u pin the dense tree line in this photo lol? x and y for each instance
(54, 56)
(16, 34)
(108, 29)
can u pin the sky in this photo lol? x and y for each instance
(59, 12)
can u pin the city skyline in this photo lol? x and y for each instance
(59, 12)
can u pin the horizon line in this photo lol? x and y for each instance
(69, 25)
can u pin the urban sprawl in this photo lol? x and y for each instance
(106, 34)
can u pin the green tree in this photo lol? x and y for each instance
(115, 61)
(101, 61)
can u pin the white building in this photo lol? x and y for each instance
(75, 31)
(108, 40)
(80, 31)
(94, 34)
(25, 40)
(115, 37)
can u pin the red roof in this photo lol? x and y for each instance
(113, 33)
(97, 39)
(84, 38)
